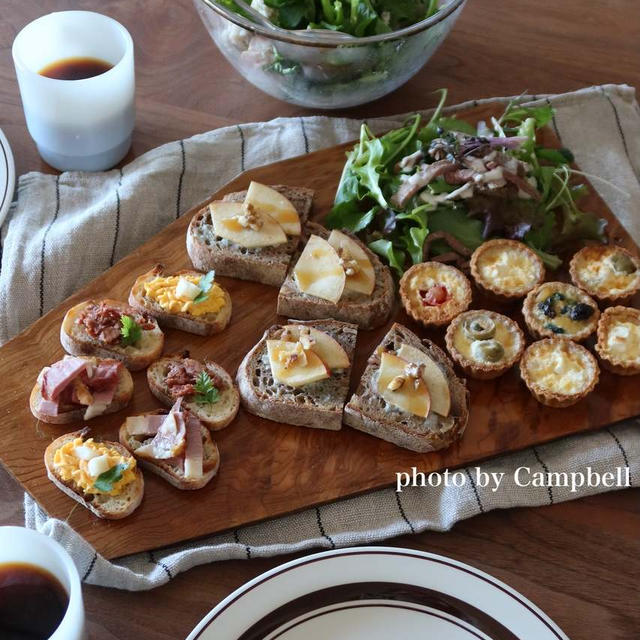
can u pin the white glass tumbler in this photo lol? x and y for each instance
(77, 124)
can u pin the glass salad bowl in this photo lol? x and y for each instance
(324, 69)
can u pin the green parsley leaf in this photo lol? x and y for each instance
(130, 331)
(206, 393)
(105, 481)
(205, 284)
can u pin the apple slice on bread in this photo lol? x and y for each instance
(336, 276)
(409, 395)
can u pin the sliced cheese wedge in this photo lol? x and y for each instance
(411, 395)
(321, 343)
(227, 220)
(363, 278)
(273, 203)
(292, 365)
(318, 271)
(433, 376)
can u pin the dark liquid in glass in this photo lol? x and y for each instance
(32, 602)
(75, 68)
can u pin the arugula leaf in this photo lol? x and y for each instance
(205, 284)
(456, 222)
(453, 124)
(415, 243)
(556, 156)
(130, 331)
(206, 393)
(395, 257)
(105, 481)
(516, 114)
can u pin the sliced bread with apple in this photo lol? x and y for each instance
(162, 296)
(336, 276)
(409, 395)
(250, 234)
(299, 373)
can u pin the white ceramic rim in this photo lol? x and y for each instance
(247, 597)
(7, 176)
(128, 46)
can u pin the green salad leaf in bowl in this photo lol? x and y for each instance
(441, 188)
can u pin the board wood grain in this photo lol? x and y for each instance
(269, 469)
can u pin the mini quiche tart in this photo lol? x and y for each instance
(560, 309)
(506, 268)
(434, 293)
(485, 344)
(619, 340)
(610, 274)
(559, 372)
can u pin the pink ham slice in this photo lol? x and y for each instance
(194, 452)
(48, 407)
(105, 375)
(145, 425)
(59, 375)
(169, 441)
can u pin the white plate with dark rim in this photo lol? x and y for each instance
(7, 176)
(375, 593)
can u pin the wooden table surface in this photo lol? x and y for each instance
(579, 561)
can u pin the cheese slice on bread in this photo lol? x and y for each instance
(268, 220)
(299, 373)
(406, 384)
(336, 276)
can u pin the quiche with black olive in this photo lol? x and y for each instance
(559, 372)
(433, 293)
(619, 340)
(558, 309)
(485, 344)
(608, 273)
(506, 268)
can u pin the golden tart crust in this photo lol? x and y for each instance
(471, 339)
(421, 289)
(506, 268)
(619, 340)
(558, 309)
(559, 372)
(608, 273)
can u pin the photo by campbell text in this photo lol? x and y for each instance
(618, 477)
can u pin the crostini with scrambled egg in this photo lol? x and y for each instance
(187, 300)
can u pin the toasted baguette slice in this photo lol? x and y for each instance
(369, 412)
(365, 311)
(214, 416)
(74, 413)
(318, 404)
(103, 506)
(267, 264)
(168, 469)
(76, 341)
(205, 325)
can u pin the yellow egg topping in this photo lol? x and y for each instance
(163, 291)
(623, 340)
(504, 335)
(556, 309)
(83, 461)
(559, 367)
(604, 277)
(507, 268)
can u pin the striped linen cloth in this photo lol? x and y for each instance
(65, 230)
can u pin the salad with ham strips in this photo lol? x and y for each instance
(80, 387)
(174, 445)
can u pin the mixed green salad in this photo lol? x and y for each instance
(355, 17)
(441, 188)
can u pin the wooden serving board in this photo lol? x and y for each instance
(269, 469)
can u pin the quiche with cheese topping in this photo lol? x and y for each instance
(559, 372)
(485, 344)
(558, 309)
(619, 340)
(433, 293)
(608, 273)
(506, 268)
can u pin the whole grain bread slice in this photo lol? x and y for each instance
(206, 324)
(266, 264)
(73, 413)
(170, 470)
(214, 416)
(369, 412)
(318, 405)
(368, 312)
(102, 505)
